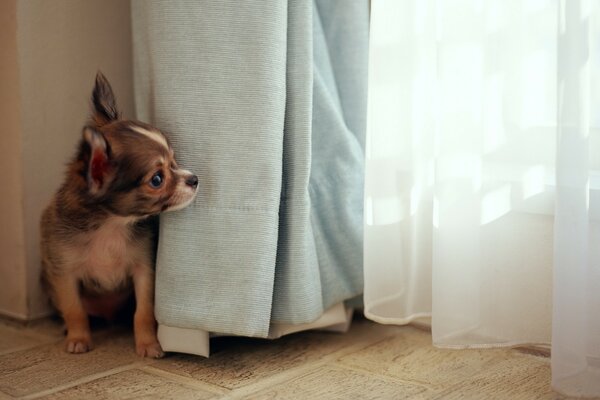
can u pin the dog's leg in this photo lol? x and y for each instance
(67, 300)
(144, 323)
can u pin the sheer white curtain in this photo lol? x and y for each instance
(483, 176)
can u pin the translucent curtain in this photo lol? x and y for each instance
(464, 113)
(576, 323)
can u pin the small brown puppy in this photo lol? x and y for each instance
(98, 236)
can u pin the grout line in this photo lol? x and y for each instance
(20, 348)
(196, 384)
(83, 380)
(360, 343)
(355, 347)
(388, 378)
(27, 347)
(275, 380)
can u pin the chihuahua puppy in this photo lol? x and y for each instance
(98, 236)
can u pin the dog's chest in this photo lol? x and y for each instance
(108, 255)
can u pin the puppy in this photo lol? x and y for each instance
(97, 234)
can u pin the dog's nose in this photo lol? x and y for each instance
(192, 181)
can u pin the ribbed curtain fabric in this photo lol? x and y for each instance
(482, 176)
(266, 102)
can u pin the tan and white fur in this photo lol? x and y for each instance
(98, 232)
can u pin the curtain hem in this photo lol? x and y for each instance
(197, 341)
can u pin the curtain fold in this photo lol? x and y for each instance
(254, 94)
(214, 76)
(482, 161)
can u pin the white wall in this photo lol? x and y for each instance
(60, 44)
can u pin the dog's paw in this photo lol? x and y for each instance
(76, 345)
(151, 350)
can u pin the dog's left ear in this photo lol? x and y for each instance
(99, 168)
(104, 105)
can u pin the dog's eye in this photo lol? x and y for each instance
(156, 180)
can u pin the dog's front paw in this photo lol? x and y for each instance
(76, 345)
(149, 349)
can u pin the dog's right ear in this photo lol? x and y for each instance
(99, 168)
(104, 105)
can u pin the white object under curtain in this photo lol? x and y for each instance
(483, 176)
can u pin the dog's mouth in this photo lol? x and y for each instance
(180, 199)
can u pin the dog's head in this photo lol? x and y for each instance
(129, 167)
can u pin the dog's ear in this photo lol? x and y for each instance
(104, 105)
(99, 169)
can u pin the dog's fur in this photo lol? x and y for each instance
(98, 235)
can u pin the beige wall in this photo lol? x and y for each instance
(60, 44)
(12, 239)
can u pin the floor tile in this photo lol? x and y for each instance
(371, 361)
(334, 383)
(242, 361)
(131, 384)
(520, 377)
(13, 339)
(246, 361)
(44, 367)
(409, 356)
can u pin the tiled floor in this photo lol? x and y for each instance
(370, 362)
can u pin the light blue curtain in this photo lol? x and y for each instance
(266, 102)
